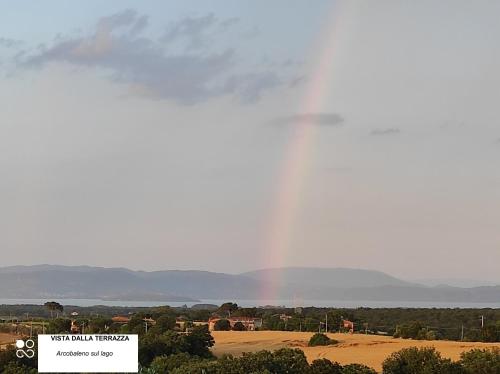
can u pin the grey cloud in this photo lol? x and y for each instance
(249, 87)
(382, 132)
(327, 119)
(197, 31)
(9, 43)
(122, 19)
(150, 69)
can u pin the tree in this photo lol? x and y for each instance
(99, 325)
(325, 366)
(164, 323)
(136, 325)
(199, 341)
(227, 309)
(59, 326)
(490, 333)
(200, 367)
(152, 345)
(320, 339)
(415, 360)
(481, 361)
(284, 360)
(10, 363)
(15, 368)
(238, 326)
(358, 369)
(54, 306)
(165, 364)
(412, 330)
(222, 325)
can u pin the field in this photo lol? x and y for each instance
(370, 350)
(7, 339)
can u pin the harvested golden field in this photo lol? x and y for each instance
(370, 350)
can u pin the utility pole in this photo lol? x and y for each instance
(31, 328)
(462, 334)
(146, 324)
(326, 322)
(482, 321)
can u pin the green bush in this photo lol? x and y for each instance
(15, 368)
(165, 364)
(415, 360)
(325, 366)
(357, 369)
(321, 339)
(481, 361)
(222, 325)
(290, 361)
(238, 326)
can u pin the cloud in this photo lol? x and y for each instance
(150, 67)
(449, 124)
(197, 32)
(326, 119)
(10, 43)
(383, 132)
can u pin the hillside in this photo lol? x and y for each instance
(332, 277)
(48, 281)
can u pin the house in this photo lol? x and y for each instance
(285, 317)
(75, 329)
(124, 320)
(250, 323)
(120, 319)
(349, 325)
(180, 323)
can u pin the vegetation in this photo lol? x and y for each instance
(357, 369)
(59, 326)
(10, 363)
(165, 349)
(481, 361)
(53, 306)
(222, 325)
(419, 360)
(414, 323)
(321, 339)
(238, 326)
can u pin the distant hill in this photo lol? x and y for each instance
(85, 282)
(329, 277)
(456, 282)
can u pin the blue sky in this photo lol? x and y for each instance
(161, 128)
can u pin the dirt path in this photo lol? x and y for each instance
(365, 349)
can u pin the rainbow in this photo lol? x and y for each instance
(297, 157)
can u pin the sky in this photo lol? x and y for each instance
(231, 136)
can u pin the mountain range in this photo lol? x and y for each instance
(85, 282)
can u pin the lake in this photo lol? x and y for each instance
(256, 303)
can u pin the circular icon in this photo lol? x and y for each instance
(30, 343)
(20, 344)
